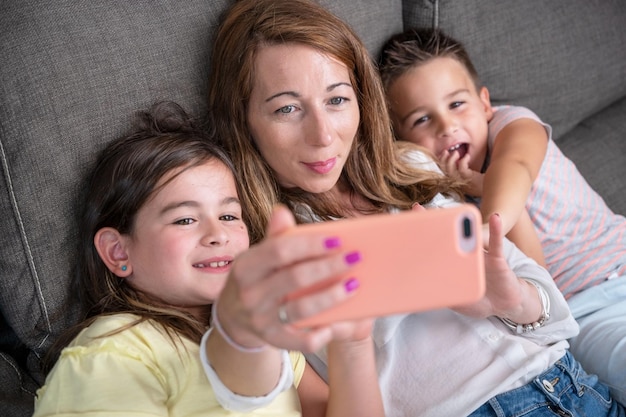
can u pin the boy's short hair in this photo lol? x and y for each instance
(415, 47)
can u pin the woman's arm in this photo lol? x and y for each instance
(507, 295)
(353, 380)
(256, 295)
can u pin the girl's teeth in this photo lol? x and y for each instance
(218, 264)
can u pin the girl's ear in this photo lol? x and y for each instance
(111, 247)
(484, 97)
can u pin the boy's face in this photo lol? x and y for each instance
(436, 105)
(186, 236)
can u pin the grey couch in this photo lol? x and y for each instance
(72, 72)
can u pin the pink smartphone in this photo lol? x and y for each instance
(410, 261)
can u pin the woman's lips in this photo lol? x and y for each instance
(321, 167)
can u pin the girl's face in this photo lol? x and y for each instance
(436, 105)
(186, 236)
(303, 115)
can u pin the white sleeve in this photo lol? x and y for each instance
(240, 403)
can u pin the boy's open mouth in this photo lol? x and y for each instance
(461, 148)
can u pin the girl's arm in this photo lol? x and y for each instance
(517, 155)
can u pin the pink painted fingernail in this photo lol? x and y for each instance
(351, 284)
(353, 257)
(332, 242)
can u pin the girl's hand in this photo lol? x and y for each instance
(252, 306)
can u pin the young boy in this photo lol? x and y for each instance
(513, 168)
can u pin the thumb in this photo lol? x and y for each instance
(281, 220)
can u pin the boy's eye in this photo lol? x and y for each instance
(184, 222)
(456, 104)
(421, 120)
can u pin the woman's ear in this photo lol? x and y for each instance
(111, 247)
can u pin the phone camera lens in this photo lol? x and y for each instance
(467, 227)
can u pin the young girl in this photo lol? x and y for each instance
(305, 120)
(161, 226)
(513, 167)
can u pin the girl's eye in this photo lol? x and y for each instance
(286, 109)
(184, 222)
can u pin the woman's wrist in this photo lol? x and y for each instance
(244, 403)
(217, 325)
(526, 326)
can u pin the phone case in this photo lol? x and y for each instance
(410, 261)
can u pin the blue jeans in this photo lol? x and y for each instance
(563, 390)
(601, 344)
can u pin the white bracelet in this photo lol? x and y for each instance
(240, 403)
(545, 313)
(218, 326)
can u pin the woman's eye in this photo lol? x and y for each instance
(338, 100)
(286, 109)
(229, 218)
(184, 222)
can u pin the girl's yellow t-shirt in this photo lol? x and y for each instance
(140, 372)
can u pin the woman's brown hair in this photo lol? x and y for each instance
(373, 170)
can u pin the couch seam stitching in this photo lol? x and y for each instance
(29, 255)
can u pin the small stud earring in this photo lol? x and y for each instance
(124, 268)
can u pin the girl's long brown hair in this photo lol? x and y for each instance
(125, 176)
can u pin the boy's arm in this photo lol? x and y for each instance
(525, 237)
(517, 155)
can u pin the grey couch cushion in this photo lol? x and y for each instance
(373, 20)
(564, 59)
(72, 75)
(598, 146)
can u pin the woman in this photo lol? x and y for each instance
(305, 121)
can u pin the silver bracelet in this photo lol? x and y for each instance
(232, 401)
(545, 313)
(218, 326)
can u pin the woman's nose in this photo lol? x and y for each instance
(318, 128)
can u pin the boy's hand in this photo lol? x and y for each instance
(457, 167)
